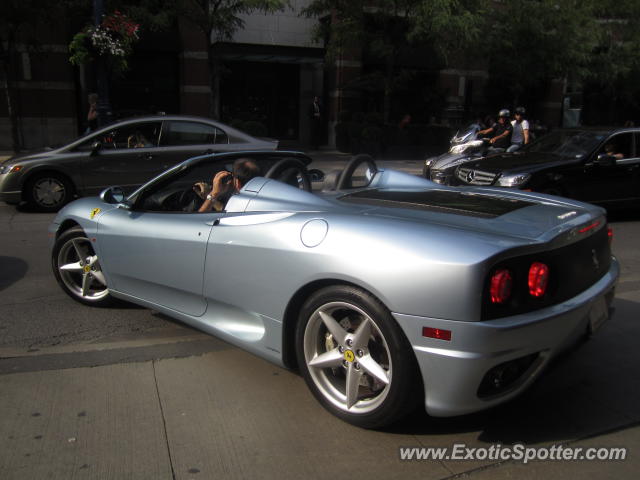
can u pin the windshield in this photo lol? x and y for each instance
(567, 143)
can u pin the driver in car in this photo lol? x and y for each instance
(611, 150)
(225, 184)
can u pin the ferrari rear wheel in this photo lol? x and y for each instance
(355, 359)
(77, 269)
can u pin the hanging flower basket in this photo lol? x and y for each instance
(113, 39)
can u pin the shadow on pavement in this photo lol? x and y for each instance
(592, 389)
(13, 269)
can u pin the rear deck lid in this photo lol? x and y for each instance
(509, 215)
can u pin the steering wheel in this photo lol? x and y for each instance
(346, 178)
(292, 172)
(189, 201)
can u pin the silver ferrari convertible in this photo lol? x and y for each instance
(384, 289)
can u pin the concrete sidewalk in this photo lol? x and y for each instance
(220, 415)
(228, 414)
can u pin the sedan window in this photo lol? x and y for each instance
(133, 135)
(193, 133)
(619, 146)
(567, 143)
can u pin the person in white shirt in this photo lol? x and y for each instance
(520, 135)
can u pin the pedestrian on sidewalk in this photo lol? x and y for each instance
(315, 115)
(92, 115)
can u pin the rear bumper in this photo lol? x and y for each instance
(452, 371)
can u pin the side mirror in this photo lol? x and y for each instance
(316, 175)
(115, 196)
(605, 160)
(96, 147)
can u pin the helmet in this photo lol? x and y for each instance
(504, 113)
(520, 110)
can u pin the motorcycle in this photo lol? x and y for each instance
(465, 145)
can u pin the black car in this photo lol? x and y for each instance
(599, 166)
(126, 153)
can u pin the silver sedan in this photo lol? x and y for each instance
(127, 153)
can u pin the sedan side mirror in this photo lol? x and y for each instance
(96, 147)
(605, 160)
(115, 196)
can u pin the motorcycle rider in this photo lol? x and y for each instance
(520, 135)
(501, 131)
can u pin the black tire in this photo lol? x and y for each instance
(48, 192)
(381, 352)
(77, 269)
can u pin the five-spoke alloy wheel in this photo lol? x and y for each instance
(355, 358)
(77, 268)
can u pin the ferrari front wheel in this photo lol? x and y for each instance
(355, 359)
(77, 269)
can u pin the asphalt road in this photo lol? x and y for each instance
(592, 397)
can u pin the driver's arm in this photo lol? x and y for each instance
(210, 202)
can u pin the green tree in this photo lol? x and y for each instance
(531, 42)
(218, 20)
(388, 27)
(617, 33)
(612, 83)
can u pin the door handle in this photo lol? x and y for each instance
(146, 156)
(212, 223)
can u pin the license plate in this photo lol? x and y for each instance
(598, 314)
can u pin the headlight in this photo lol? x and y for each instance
(438, 177)
(428, 162)
(10, 168)
(457, 149)
(513, 180)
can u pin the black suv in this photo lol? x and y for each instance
(599, 166)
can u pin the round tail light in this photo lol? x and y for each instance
(500, 287)
(538, 279)
(610, 234)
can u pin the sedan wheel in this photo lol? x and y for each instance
(77, 269)
(355, 358)
(48, 192)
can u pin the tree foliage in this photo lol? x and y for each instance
(385, 28)
(531, 42)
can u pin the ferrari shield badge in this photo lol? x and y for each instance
(349, 356)
(94, 212)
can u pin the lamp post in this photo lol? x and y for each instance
(102, 80)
